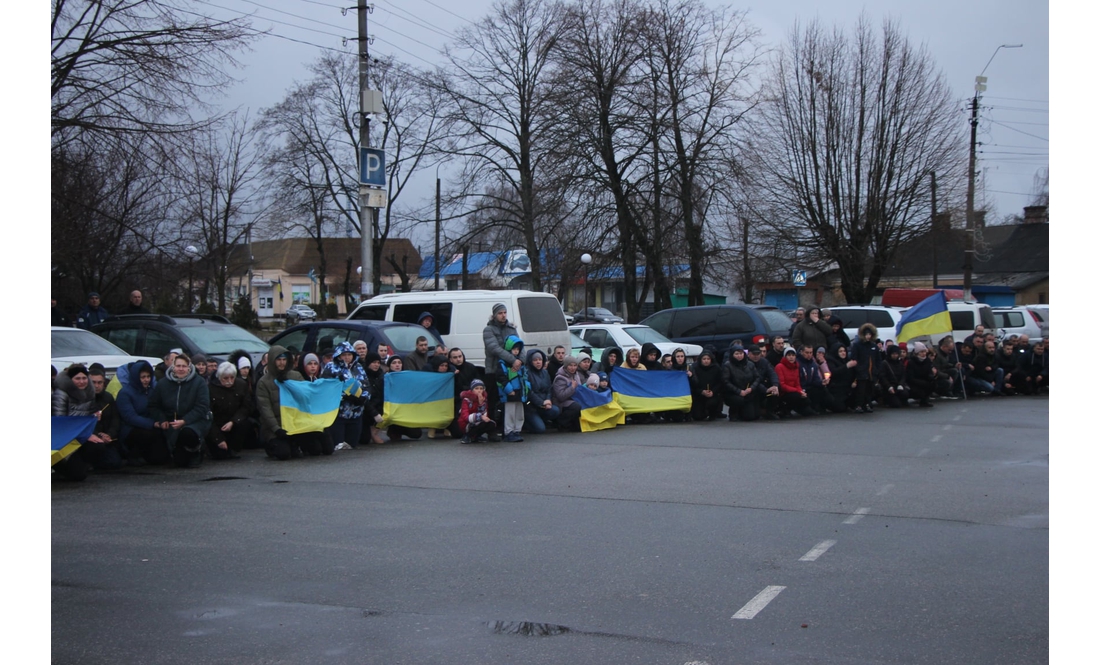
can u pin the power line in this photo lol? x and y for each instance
(450, 12)
(266, 33)
(419, 22)
(1020, 131)
(1013, 99)
(304, 18)
(292, 25)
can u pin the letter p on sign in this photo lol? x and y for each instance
(372, 167)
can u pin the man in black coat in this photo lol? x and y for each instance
(91, 314)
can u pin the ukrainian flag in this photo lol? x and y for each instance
(309, 406)
(67, 433)
(928, 317)
(649, 392)
(599, 410)
(418, 399)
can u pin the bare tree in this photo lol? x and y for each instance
(499, 112)
(125, 67)
(851, 129)
(221, 195)
(704, 56)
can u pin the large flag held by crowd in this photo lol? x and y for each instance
(928, 317)
(651, 392)
(418, 399)
(310, 406)
(67, 433)
(599, 410)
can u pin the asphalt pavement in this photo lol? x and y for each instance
(907, 536)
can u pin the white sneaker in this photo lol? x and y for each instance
(342, 446)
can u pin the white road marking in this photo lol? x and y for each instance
(923, 452)
(946, 427)
(885, 489)
(937, 438)
(857, 516)
(957, 418)
(818, 550)
(753, 607)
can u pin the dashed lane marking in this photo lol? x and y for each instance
(946, 427)
(818, 550)
(753, 607)
(857, 516)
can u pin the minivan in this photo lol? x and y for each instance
(461, 316)
(718, 325)
(883, 317)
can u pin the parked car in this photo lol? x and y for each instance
(965, 316)
(580, 345)
(630, 336)
(596, 315)
(73, 345)
(718, 325)
(460, 316)
(883, 317)
(316, 336)
(154, 335)
(1018, 321)
(298, 313)
(1042, 312)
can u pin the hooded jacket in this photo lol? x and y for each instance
(68, 400)
(267, 393)
(814, 334)
(513, 383)
(186, 399)
(866, 354)
(741, 374)
(542, 386)
(839, 335)
(133, 400)
(893, 371)
(647, 348)
(606, 365)
(351, 406)
(432, 329)
(840, 375)
(707, 377)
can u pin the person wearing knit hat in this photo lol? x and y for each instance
(200, 365)
(496, 331)
(376, 378)
(355, 408)
(474, 420)
(920, 375)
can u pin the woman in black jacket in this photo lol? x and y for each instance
(744, 390)
(920, 375)
(231, 405)
(707, 388)
(841, 376)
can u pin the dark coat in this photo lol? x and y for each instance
(813, 334)
(494, 336)
(186, 399)
(233, 404)
(133, 400)
(707, 377)
(739, 376)
(110, 422)
(542, 386)
(866, 354)
(267, 394)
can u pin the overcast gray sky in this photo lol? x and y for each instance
(961, 35)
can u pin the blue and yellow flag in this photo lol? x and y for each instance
(649, 392)
(928, 317)
(67, 433)
(309, 406)
(418, 399)
(599, 410)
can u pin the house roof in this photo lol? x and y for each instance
(296, 256)
(1013, 248)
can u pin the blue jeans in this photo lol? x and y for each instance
(536, 418)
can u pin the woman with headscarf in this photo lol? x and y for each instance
(920, 375)
(566, 382)
(841, 376)
(230, 404)
(180, 405)
(348, 426)
(707, 388)
(651, 356)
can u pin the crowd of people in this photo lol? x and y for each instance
(187, 409)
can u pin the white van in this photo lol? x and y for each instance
(965, 316)
(461, 317)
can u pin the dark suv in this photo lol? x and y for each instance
(156, 334)
(316, 336)
(718, 325)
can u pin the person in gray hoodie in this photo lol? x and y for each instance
(180, 407)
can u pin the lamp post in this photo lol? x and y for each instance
(191, 251)
(968, 256)
(586, 259)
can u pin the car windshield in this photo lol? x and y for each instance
(214, 338)
(776, 321)
(644, 334)
(576, 341)
(65, 343)
(403, 338)
(599, 311)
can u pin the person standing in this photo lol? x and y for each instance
(57, 316)
(812, 331)
(135, 306)
(493, 336)
(91, 314)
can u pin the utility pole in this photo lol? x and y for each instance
(438, 221)
(935, 236)
(366, 219)
(968, 256)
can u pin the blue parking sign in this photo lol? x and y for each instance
(372, 167)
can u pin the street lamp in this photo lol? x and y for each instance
(191, 252)
(968, 256)
(586, 259)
